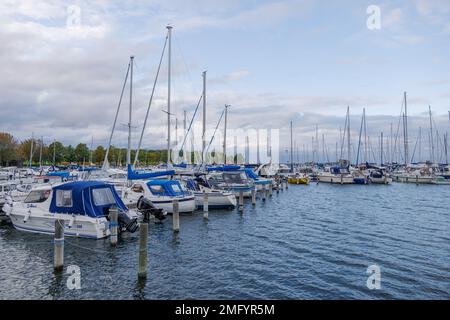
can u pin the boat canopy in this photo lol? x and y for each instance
(224, 168)
(59, 174)
(252, 175)
(169, 188)
(88, 198)
(136, 175)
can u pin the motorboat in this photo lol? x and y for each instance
(84, 206)
(217, 199)
(230, 178)
(336, 175)
(161, 193)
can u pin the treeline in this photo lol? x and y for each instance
(14, 152)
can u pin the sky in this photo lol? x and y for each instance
(63, 64)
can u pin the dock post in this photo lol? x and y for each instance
(143, 241)
(205, 205)
(59, 245)
(263, 192)
(113, 225)
(241, 201)
(270, 189)
(176, 216)
(287, 184)
(254, 196)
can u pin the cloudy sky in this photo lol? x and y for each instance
(272, 61)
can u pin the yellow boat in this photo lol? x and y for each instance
(298, 180)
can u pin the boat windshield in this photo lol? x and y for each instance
(238, 177)
(37, 196)
(103, 197)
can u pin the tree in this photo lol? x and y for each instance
(81, 153)
(56, 148)
(69, 154)
(8, 148)
(99, 155)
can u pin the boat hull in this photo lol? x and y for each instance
(216, 200)
(342, 179)
(81, 226)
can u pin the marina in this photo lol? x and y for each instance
(170, 154)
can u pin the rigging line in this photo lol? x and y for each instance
(192, 120)
(117, 114)
(150, 102)
(215, 130)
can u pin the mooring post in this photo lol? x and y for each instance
(270, 189)
(287, 184)
(205, 205)
(254, 196)
(263, 192)
(113, 225)
(176, 216)
(143, 241)
(241, 201)
(59, 245)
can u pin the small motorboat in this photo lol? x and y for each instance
(161, 193)
(84, 206)
(298, 179)
(217, 199)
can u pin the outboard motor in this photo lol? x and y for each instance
(127, 223)
(147, 208)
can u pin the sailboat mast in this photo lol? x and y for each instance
(130, 111)
(169, 71)
(54, 152)
(204, 116)
(40, 153)
(406, 132)
(381, 146)
(292, 156)
(31, 149)
(225, 136)
(431, 135)
(348, 135)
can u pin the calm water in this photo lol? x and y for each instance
(310, 242)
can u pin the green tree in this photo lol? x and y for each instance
(8, 148)
(56, 148)
(69, 154)
(99, 155)
(81, 153)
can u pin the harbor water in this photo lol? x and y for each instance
(309, 242)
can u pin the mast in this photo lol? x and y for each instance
(40, 153)
(431, 135)
(348, 135)
(204, 116)
(406, 132)
(90, 156)
(446, 147)
(130, 112)
(420, 144)
(31, 149)
(54, 152)
(292, 156)
(317, 147)
(225, 135)
(381, 147)
(359, 140)
(169, 70)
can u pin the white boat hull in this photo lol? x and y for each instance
(336, 179)
(216, 200)
(80, 226)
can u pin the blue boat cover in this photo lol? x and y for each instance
(82, 199)
(224, 168)
(61, 174)
(170, 188)
(250, 174)
(136, 175)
